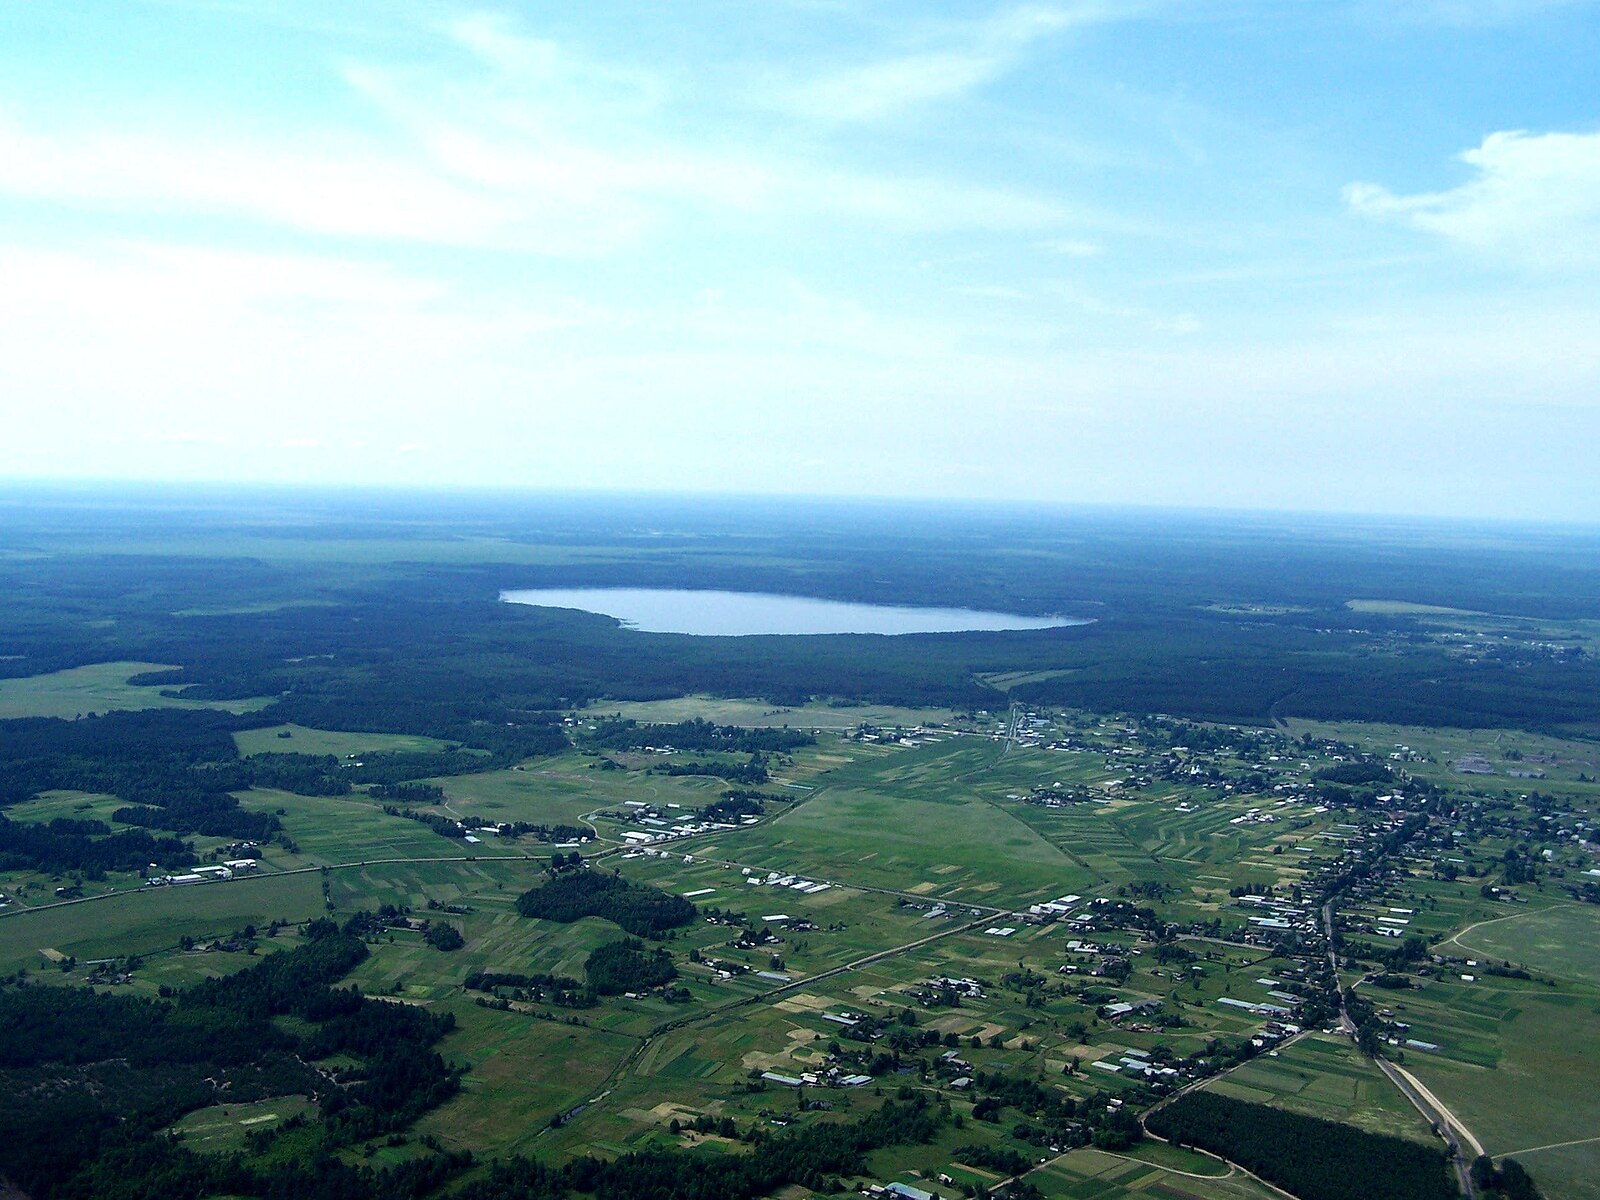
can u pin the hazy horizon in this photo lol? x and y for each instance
(358, 499)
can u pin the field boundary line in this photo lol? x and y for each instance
(1525, 913)
(1551, 1146)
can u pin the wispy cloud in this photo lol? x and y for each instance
(531, 147)
(961, 59)
(1534, 200)
(1461, 14)
(1071, 247)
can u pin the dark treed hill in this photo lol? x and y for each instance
(64, 845)
(640, 909)
(626, 966)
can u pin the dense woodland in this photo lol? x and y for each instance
(577, 893)
(87, 1078)
(626, 966)
(1230, 619)
(1313, 1158)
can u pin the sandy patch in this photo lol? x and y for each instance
(765, 1062)
(803, 1002)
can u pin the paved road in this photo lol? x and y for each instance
(1436, 1114)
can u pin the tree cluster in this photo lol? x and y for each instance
(640, 909)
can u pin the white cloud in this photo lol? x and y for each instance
(1534, 200)
(350, 190)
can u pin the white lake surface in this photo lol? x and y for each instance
(737, 614)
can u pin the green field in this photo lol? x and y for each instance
(82, 806)
(1435, 750)
(566, 789)
(1096, 1175)
(756, 713)
(895, 829)
(1323, 1076)
(1518, 1069)
(301, 740)
(221, 1129)
(1563, 940)
(330, 830)
(98, 688)
(152, 919)
(912, 821)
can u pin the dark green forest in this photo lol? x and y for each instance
(574, 894)
(1220, 617)
(87, 1079)
(1313, 1158)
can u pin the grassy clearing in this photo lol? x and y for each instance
(302, 740)
(523, 1072)
(1178, 1158)
(566, 788)
(1562, 940)
(912, 821)
(222, 1129)
(152, 919)
(341, 829)
(1561, 760)
(79, 806)
(97, 688)
(759, 713)
(1086, 1174)
(1407, 608)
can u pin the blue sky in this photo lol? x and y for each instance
(1331, 254)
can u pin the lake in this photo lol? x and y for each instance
(740, 614)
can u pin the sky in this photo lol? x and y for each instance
(1335, 255)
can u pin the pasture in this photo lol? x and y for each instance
(1562, 940)
(910, 821)
(1098, 1175)
(759, 713)
(1516, 1064)
(222, 1128)
(1323, 1076)
(97, 688)
(154, 919)
(302, 740)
